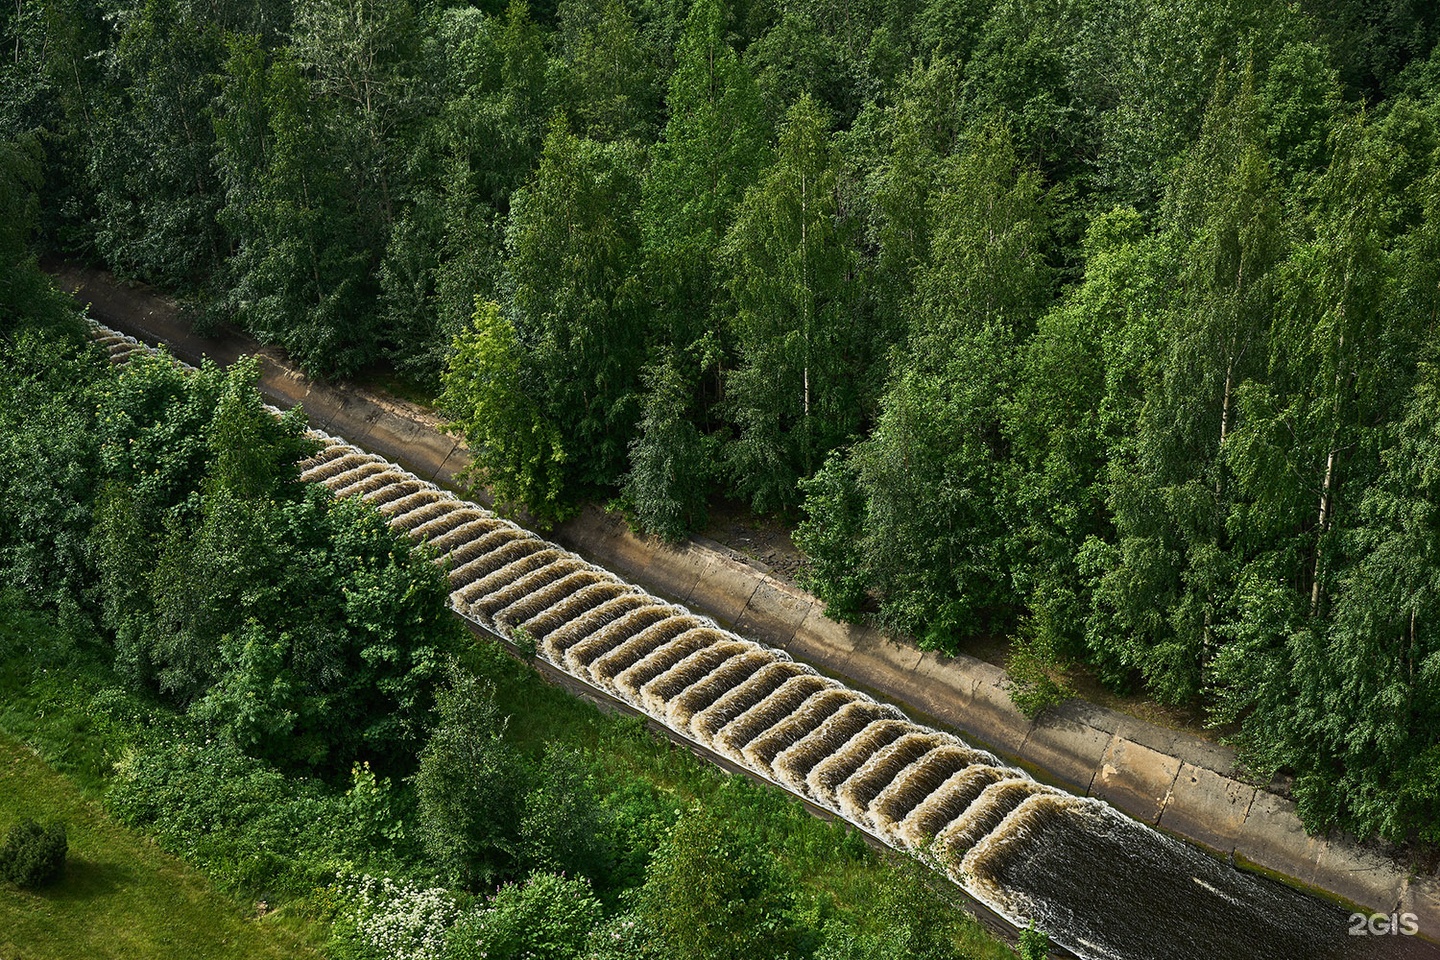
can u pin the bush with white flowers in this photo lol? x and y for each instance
(396, 918)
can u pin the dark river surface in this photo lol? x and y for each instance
(1109, 888)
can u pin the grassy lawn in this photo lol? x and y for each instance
(121, 896)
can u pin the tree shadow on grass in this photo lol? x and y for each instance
(87, 880)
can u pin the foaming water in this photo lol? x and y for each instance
(985, 814)
(740, 698)
(621, 644)
(525, 585)
(797, 724)
(736, 735)
(856, 794)
(946, 804)
(793, 764)
(629, 682)
(544, 597)
(918, 781)
(681, 710)
(558, 616)
(614, 604)
(656, 694)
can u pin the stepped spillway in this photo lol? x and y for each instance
(989, 826)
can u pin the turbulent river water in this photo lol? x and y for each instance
(1101, 884)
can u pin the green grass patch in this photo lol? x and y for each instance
(121, 896)
(57, 696)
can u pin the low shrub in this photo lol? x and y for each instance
(393, 919)
(34, 854)
(1034, 944)
(548, 917)
(253, 827)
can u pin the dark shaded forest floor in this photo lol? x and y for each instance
(766, 540)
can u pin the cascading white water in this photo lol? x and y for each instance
(1019, 846)
(994, 804)
(760, 753)
(510, 563)
(946, 804)
(459, 544)
(793, 764)
(919, 781)
(657, 695)
(527, 607)
(523, 586)
(629, 682)
(735, 736)
(706, 723)
(564, 616)
(344, 483)
(408, 511)
(680, 711)
(623, 642)
(615, 604)
(859, 790)
(492, 557)
(826, 776)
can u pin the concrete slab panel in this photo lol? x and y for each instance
(818, 632)
(1422, 898)
(584, 532)
(1086, 713)
(773, 614)
(989, 714)
(1273, 838)
(1178, 743)
(619, 550)
(723, 589)
(413, 445)
(1207, 808)
(1362, 876)
(1067, 749)
(450, 468)
(605, 540)
(881, 668)
(945, 672)
(1135, 778)
(675, 574)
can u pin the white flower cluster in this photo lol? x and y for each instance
(399, 919)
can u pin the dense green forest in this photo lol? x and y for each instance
(1109, 326)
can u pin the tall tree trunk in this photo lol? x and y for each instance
(1327, 489)
(1225, 405)
(806, 308)
(1207, 634)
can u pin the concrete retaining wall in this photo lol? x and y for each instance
(1173, 780)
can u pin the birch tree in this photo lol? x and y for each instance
(1171, 487)
(793, 396)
